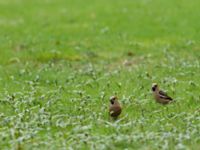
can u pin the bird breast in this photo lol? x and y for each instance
(115, 110)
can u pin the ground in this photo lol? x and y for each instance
(60, 61)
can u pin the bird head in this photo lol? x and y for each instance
(113, 99)
(154, 87)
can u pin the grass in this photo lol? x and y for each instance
(61, 61)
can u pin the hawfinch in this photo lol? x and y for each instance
(115, 109)
(160, 96)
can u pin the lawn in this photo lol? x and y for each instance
(61, 60)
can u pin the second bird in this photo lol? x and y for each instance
(160, 96)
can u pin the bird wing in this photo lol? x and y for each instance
(164, 95)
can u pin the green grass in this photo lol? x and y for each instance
(60, 61)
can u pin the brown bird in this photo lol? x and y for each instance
(115, 108)
(160, 96)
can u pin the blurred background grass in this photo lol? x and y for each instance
(41, 30)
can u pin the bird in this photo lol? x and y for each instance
(160, 96)
(115, 108)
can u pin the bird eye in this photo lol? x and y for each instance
(153, 88)
(112, 101)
